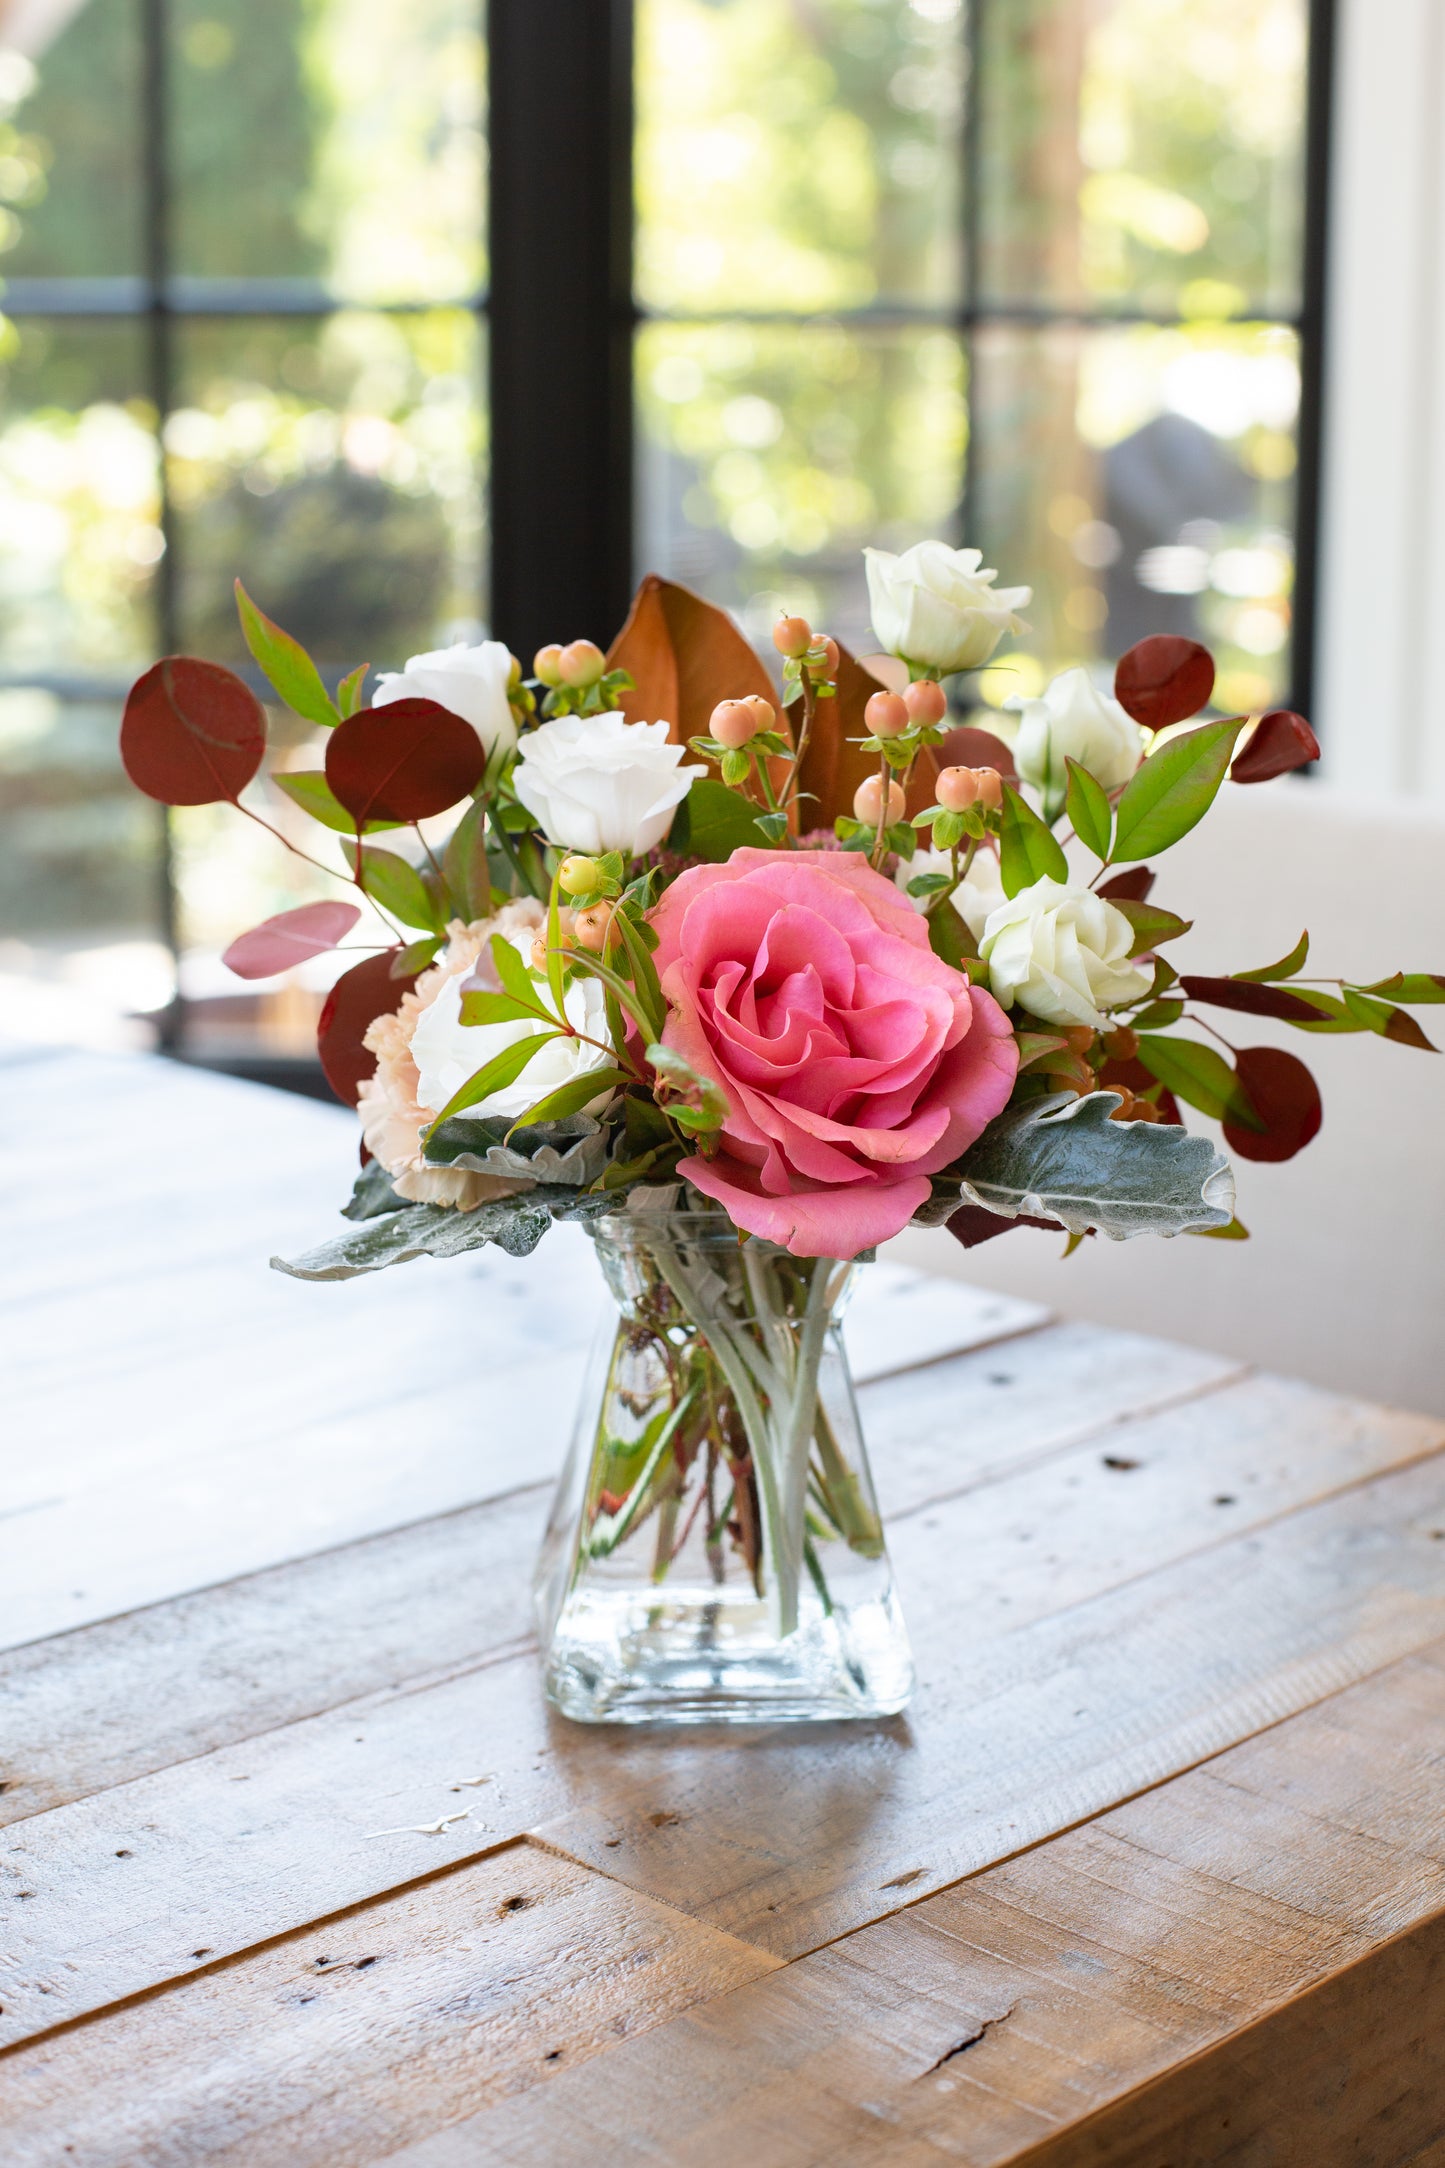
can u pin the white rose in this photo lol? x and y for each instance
(1064, 953)
(978, 895)
(447, 1052)
(1072, 720)
(599, 783)
(936, 608)
(470, 681)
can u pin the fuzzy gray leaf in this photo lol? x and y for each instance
(1064, 1159)
(372, 1195)
(568, 1153)
(515, 1224)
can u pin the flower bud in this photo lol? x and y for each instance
(581, 662)
(792, 636)
(990, 789)
(868, 802)
(733, 723)
(514, 673)
(546, 664)
(886, 715)
(592, 928)
(578, 876)
(957, 788)
(926, 701)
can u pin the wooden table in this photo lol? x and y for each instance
(297, 1869)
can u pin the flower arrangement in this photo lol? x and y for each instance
(826, 972)
(747, 979)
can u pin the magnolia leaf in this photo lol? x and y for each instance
(1173, 790)
(1066, 1160)
(565, 1154)
(515, 1224)
(1028, 849)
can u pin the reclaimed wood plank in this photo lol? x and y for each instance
(1220, 1971)
(337, 2042)
(103, 1704)
(799, 1839)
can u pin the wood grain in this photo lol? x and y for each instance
(797, 1839)
(335, 2044)
(1217, 1972)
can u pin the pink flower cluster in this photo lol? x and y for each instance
(856, 1063)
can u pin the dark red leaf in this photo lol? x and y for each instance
(192, 733)
(972, 1224)
(1164, 680)
(1286, 1099)
(1130, 887)
(359, 996)
(289, 938)
(1279, 741)
(970, 747)
(1134, 1077)
(403, 762)
(1252, 998)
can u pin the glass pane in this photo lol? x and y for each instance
(769, 456)
(797, 158)
(370, 113)
(79, 541)
(70, 142)
(1141, 480)
(1143, 152)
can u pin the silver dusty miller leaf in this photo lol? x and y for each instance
(568, 1153)
(516, 1224)
(1064, 1159)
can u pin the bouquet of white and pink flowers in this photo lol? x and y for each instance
(704, 958)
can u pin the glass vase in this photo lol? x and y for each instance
(714, 1552)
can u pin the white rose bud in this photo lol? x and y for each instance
(1071, 720)
(599, 783)
(447, 1051)
(1064, 953)
(470, 681)
(934, 607)
(980, 892)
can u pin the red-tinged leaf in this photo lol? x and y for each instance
(403, 762)
(972, 1224)
(1287, 966)
(1415, 987)
(1129, 887)
(290, 938)
(192, 733)
(970, 747)
(286, 663)
(1152, 926)
(359, 996)
(1389, 1022)
(1285, 1097)
(1253, 999)
(1164, 680)
(1279, 741)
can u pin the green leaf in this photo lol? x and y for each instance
(397, 887)
(516, 979)
(415, 956)
(372, 1194)
(1235, 1231)
(1068, 1161)
(772, 825)
(1197, 1074)
(556, 961)
(736, 766)
(1152, 927)
(1173, 790)
(1286, 967)
(574, 1096)
(626, 994)
(503, 1069)
(929, 884)
(348, 692)
(1389, 1022)
(1088, 808)
(645, 982)
(308, 788)
(712, 822)
(948, 829)
(464, 864)
(1414, 988)
(481, 1006)
(1028, 850)
(1158, 1016)
(949, 937)
(287, 664)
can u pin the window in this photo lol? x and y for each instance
(1036, 275)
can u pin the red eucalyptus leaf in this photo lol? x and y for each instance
(1279, 741)
(290, 938)
(359, 996)
(1164, 680)
(1130, 887)
(972, 1224)
(1284, 1096)
(1252, 999)
(403, 762)
(192, 733)
(970, 747)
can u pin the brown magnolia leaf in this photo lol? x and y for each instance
(1164, 679)
(359, 996)
(1285, 1097)
(970, 747)
(192, 733)
(1278, 742)
(833, 766)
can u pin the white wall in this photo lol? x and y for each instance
(1381, 697)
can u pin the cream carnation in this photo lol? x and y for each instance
(394, 1105)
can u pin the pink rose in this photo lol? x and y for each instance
(856, 1062)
